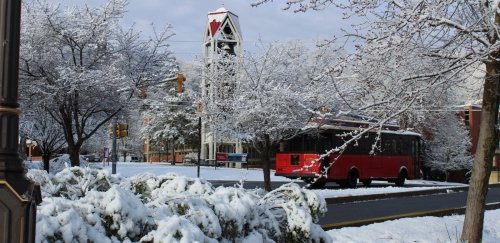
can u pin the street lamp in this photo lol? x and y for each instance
(146, 149)
(30, 144)
(18, 195)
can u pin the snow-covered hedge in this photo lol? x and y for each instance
(88, 205)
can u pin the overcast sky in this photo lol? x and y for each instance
(188, 18)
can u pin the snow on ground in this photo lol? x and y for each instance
(419, 229)
(127, 169)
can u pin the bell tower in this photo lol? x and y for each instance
(222, 34)
(222, 45)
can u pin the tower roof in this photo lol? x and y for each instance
(219, 10)
(218, 17)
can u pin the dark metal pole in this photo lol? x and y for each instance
(18, 195)
(173, 151)
(113, 149)
(199, 147)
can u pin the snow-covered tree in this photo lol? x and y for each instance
(82, 68)
(41, 128)
(172, 125)
(277, 93)
(460, 36)
(133, 144)
(448, 146)
(96, 143)
(169, 117)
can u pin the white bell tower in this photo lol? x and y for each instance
(222, 39)
(222, 32)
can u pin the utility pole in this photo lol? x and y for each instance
(199, 147)
(114, 156)
(199, 113)
(18, 195)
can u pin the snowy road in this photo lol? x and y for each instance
(365, 212)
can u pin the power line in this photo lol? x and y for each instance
(248, 41)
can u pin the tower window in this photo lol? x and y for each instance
(227, 30)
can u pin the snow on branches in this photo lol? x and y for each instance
(445, 41)
(82, 68)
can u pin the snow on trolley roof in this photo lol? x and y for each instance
(354, 122)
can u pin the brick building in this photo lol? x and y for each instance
(472, 118)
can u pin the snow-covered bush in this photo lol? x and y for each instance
(59, 219)
(238, 213)
(84, 204)
(71, 183)
(297, 211)
(125, 216)
(176, 229)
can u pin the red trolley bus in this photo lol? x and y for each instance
(390, 155)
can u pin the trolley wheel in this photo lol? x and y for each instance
(367, 182)
(400, 181)
(352, 179)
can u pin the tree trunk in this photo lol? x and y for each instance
(46, 159)
(265, 159)
(478, 189)
(173, 154)
(74, 155)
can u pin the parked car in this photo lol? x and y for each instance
(191, 158)
(134, 159)
(91, 158)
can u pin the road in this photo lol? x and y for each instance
(363, 212)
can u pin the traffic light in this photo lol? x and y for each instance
(142, 94)
(180, 83)
(121, 130)
(110, 130)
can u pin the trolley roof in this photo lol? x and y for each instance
(353, 123)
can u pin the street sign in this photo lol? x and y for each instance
(231, 157)
(220, 157)
(199, 108)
